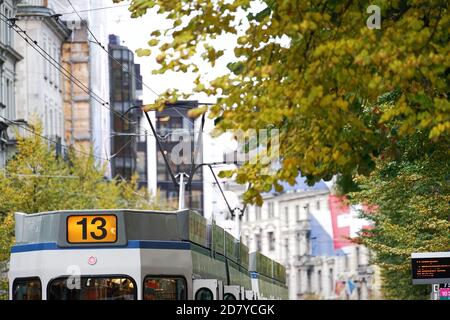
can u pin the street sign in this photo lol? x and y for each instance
(91, 229)
(430, 267)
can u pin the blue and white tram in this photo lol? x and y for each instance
(130, 254)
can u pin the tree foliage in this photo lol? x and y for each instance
(314, 70)
(411, 195)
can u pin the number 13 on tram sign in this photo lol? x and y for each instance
(92, 229)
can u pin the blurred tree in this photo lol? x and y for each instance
(314, 70)
(411, 196)
(6, 241)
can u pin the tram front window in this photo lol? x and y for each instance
(27, 289)
(167, 288)
(92, 288)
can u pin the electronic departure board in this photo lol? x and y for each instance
(430, 267)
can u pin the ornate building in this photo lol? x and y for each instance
(304, 229)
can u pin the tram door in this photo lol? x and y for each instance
(208, 289)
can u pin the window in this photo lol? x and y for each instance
(319, 280)
(331, 279)
(27, 289)
(271, 237)
(299, 281)
(58, 75)
(117, 54)
(50, 51)
(194, 199)
(46, 116)
(8, 94)
(258, 242)
(271, 211)
(93, 288)
(308, 281)
(357, 256)
(318, 205)
(60, 124)
(308, 242)
(204, 294)
(286, 214)
(47, 64)
(258, 213)
(297, 212)
(157, 288)
(8, 31)
(51, 122)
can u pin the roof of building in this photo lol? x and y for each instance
(300, 185)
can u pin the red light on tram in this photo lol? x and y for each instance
(92, 260)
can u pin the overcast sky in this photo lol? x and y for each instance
(135, 33)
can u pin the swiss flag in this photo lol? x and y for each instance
(345, 221)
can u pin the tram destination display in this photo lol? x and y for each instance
(91, 228)
(430, 267)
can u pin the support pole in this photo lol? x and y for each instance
(181, 192)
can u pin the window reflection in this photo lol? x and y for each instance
(93, 288)
(164, 288)
(27, 289)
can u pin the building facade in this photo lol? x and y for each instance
(64, 79)
(9, 57)
(128, 139)
(300, 229)
(87, 110)
(40, 91)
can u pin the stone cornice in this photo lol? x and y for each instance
(27, 12)
(6, 50)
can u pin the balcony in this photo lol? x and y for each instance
(303, 260)
(302, 225)
(364, 269)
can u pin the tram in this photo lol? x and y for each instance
(132, 254)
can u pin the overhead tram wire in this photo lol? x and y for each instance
(166, 161)
(53, 141)
(109, 54)
(148, 118)
(13, 24)
(221, 190)
(33, 43)
(96, 9)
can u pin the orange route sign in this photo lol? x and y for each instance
(92, 229)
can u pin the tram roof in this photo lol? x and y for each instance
(143, 225)
(100, 210)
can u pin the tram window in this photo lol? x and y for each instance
(229, 296)
(204, 294)
(27, 289)
(167, 288)
(92, 288)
